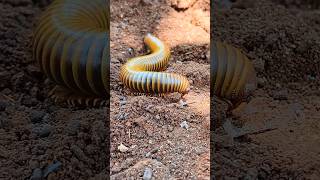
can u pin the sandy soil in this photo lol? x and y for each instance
(275, 136)
(150, 126)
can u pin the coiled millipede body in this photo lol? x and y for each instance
(71, 47)
(233, 77)
(139, 72)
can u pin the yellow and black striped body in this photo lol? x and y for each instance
(139, 72)
(71, 45)
(232, 74)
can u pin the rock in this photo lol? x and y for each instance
(122, 116)
(261, 82)
(184, 124)
(44, 131)
(37, 116)
(147, 174)
(52, 168)
(182, 103)
(123, 102)
(122, 148)
(36, 174)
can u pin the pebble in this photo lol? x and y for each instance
(184, 125)
(123, 102)
(262, 82)
(44, 131)
(122, 116)
(122, 148)
(182, 103)
(52, 168)
(131, 51)
(147, 174)
(36, 174)
(37, 116)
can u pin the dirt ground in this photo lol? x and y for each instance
(277, 135)
(37, 138)
(150, 126)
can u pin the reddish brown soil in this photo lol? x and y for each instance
(277, 135)
(150, 126)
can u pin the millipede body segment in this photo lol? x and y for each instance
(71, 45)
(140, 73)
(232, 74)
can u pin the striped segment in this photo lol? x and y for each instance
(232, 74)
(138, 73)
(71, 45)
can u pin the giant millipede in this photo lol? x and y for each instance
(233, 77)
(71, 46)
(139, 72)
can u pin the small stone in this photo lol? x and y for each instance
(123, 102)
(261, 82)
(44, 131)
(184, 125)
(36, 116)
(182, 103)
(122, 116)
(147, 174)
(131, 51)
(52, 168)
(36, 174)
(122, 148)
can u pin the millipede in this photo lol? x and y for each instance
(71, 46)
(233, 77)
(142, 75)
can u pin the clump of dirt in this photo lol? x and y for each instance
(275, 135)
(37, 138)
(166, 134)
